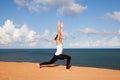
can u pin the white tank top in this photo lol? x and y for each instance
(59, 49)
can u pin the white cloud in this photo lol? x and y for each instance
(67, 35)
(118, 32)
(9, 34)
(20, 2)
(64, 7)
(23, 36)
(88, 31)
(107, 32)
(102, 39)
(71, 8)
(113, 42)
(91, 31)
(6, 32)
(47, 36)
(115, 15)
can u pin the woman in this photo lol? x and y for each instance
(58, 54)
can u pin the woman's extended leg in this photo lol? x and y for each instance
(54, 59)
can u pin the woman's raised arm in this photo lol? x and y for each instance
(59, 29)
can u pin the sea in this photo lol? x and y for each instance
(98, 58)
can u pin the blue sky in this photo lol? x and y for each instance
(33, 23)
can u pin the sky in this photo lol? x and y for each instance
(33, 23)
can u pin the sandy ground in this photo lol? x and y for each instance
(31, 71)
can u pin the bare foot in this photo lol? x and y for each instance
(40, 66)
(37, 65)
(68, 70)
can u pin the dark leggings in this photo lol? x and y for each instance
(61, 57)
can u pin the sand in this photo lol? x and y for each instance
(31, 71)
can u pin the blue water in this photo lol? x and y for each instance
(99, 58)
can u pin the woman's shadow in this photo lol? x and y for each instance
(49, 65)
(52, 65)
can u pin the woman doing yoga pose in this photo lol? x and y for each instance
(58, 53)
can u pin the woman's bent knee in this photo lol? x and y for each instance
(69, 57)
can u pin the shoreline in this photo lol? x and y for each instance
(31, 71)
